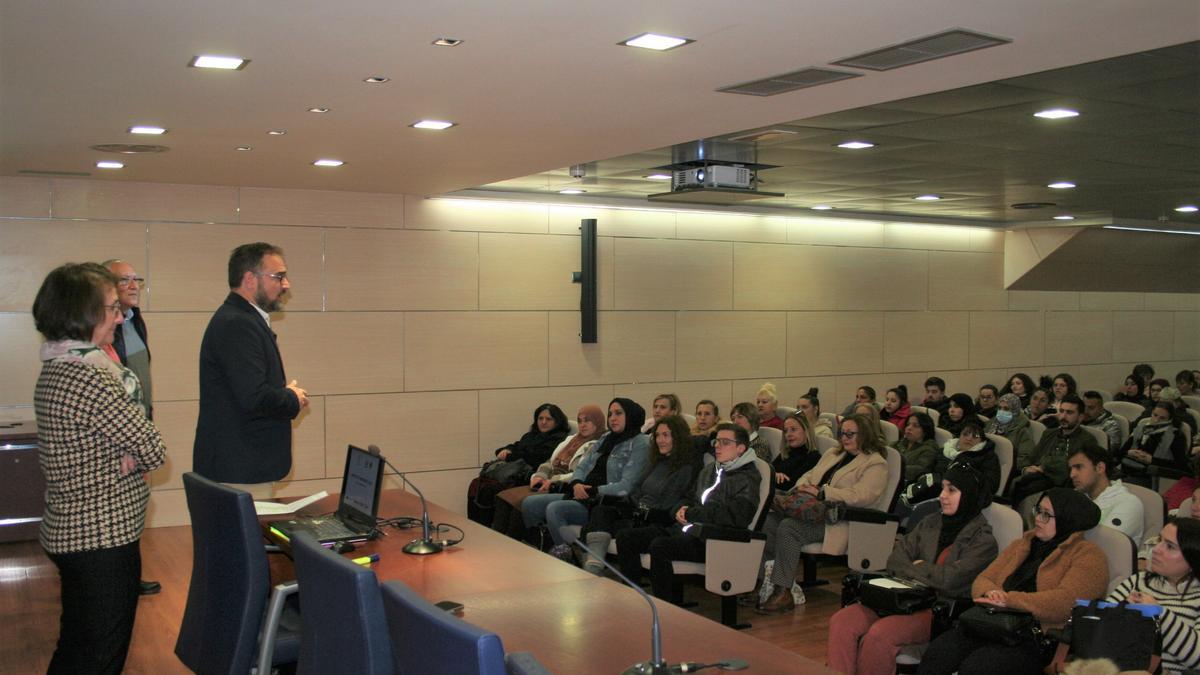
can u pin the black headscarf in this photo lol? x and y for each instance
(635, 417)
(974, 498)
(968, 407)
(1073, 512)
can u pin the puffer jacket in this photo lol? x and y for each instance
(725, 496)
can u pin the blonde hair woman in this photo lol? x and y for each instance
(767, 401)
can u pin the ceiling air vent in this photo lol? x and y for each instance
(130, 148)
(947, 43)
(779, 84)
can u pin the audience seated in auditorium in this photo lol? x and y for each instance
(1046, 466)
(708, 416)
(985, 405)
(552, 474)
(918, 447)
(960, 410)
(1155, 388)
(1092, 471)
(613, 468)
(745, 415)
(810, 405)
(726, 495)
(971, 448)
(1146, 372)
(855, 475)
(935, 395)
(1133, 391)
(1063, 384)
(671, 469)
(798, 453)
(1172, 581)
(946, 551)
(766, 401)
(895, 406)
(1043, 573)
(661, 406)
(1020, 384)
(1185, 382)
(863, 394)
(1011, 423)
(1094, 415)
(1040, 410)
(1186, 486)
(1157, 441)
(548, 430)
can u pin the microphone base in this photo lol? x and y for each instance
(649, 668)
(422, 547)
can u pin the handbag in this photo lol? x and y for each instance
(1119, 632)
(799, 505)
(1006, 626)
(507, 473)
(888, 596)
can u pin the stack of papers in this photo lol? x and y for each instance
(277, 509)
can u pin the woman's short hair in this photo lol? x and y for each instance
(747, 410)
(870, 391)
(870, 440)
(705, 401)
(560, 418)
(770, 391)
(672, 402)
(872, 414)
(681, 442)
(70, 303)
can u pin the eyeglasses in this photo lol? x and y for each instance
(115, 308)
(849, 434)
(124, 282)
(1044, 516)
(277, 276)
(723, 441)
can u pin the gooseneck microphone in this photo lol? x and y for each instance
(425, 545)
(656, 665)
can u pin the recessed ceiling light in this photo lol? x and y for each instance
(328, 162)
(658, 176)
(244, 148)
(1061, 185)
(821, 207)
(927, 198)
(109, 164)
(153, 131)
(218, 62)
(571, 191)
(436, 125)
(1056, 113)
(856, 145)
(1064, 217)
(1187, 208)
(318, 109)
(376, 79)
(655, 41)
(276, 132)
(447, 42)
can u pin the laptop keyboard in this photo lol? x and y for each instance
(329, 528)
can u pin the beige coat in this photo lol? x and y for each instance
(860, 483)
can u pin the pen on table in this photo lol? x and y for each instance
(280, 534)
(366, 560)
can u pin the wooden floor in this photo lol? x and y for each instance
(29, 605)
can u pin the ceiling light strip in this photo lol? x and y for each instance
(1150, 229)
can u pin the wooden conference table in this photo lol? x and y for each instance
(572, 621)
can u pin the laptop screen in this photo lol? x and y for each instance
(360, 486)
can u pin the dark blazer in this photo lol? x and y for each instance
(244, 432)
(139, 325)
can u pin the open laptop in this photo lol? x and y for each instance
(358, 505)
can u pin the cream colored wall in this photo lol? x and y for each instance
(433, 327)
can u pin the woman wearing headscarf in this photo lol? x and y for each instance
(1133, 391)
(961, 409)
(1010, 422)
(552, 475)
(613, 469)
(944, 551)
(549, 428)
(1042, 573)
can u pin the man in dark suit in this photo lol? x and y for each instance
(244, 432)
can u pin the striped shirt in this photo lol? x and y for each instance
(1180, 623)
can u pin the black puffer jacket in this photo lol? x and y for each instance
(733, 500)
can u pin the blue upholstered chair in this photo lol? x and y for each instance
(227, 624)
(345, 629)
(426, 639)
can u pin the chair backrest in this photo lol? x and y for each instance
(826, 443)
(1192, 400)
(774, 439)
(933, 414)
(1127, 409)
(574, 426)
(1118, 549)
(344, 627)
(1006, 524)
(1036, 429)
(831, 417)
(1154, 510)
(941, 437)
(1097, 433)
(428, 639)
(784, 411)
(1195, 424)
(895, 464)
(1185, 509)
(1123, 427)
(891, 432)
(767, 478)
(1004, 451)
(230, 580)
(689, 418)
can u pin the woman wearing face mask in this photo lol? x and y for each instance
(945, 551)
(1157, 441)
(1042, 573)
(1011, 423)
(552, 475)
(1172, 581)
(961, 409)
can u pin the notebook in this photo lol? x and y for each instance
(358, 505)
